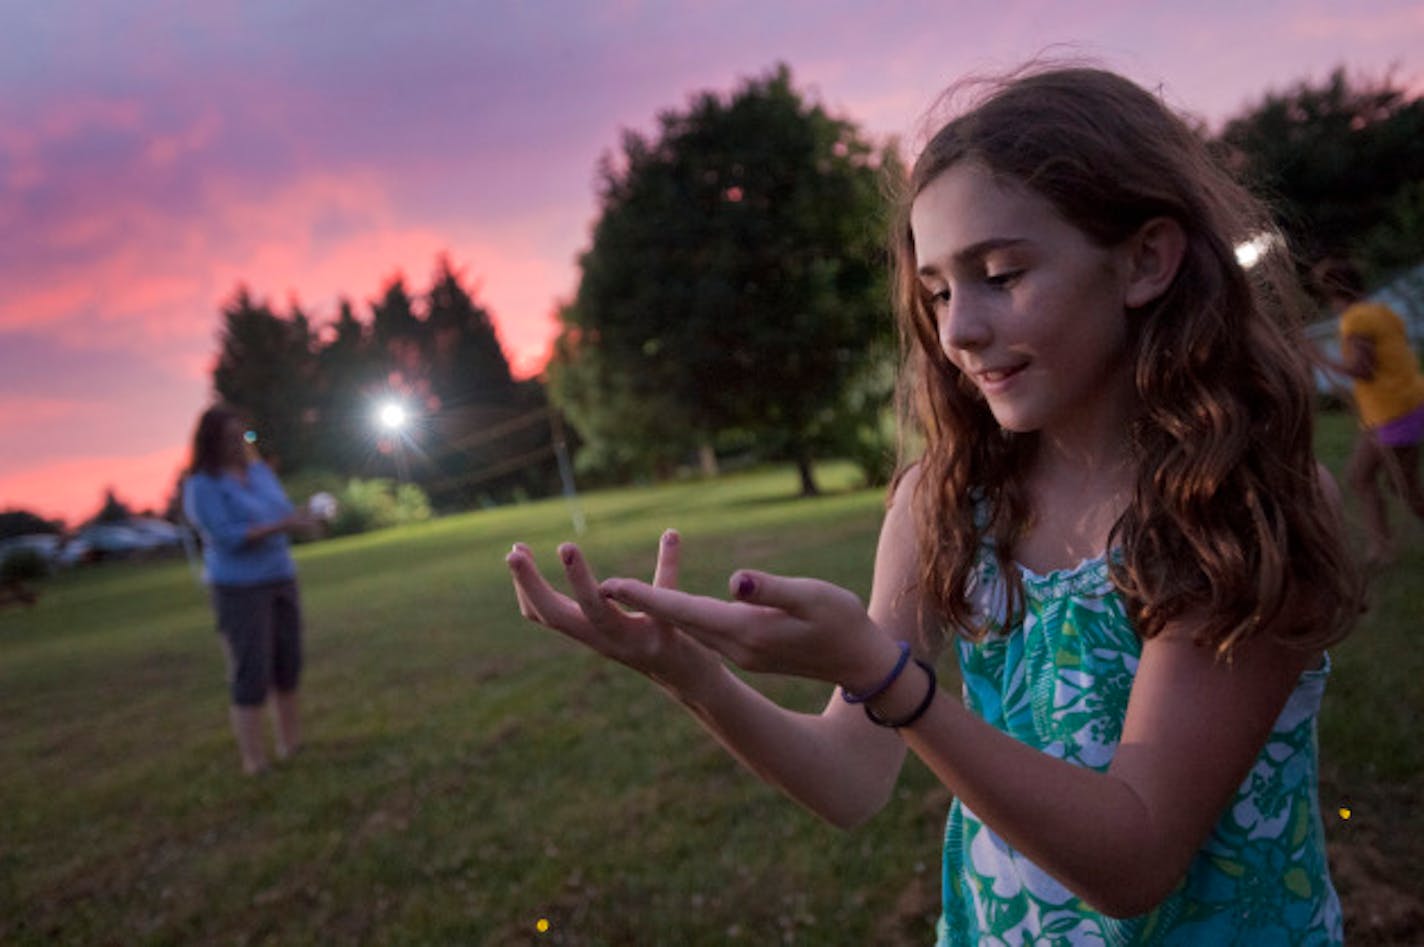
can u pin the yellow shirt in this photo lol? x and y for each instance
(1396, 387)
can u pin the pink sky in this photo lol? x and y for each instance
(153, 156)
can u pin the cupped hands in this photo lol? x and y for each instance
(645, 643)
(776, 624)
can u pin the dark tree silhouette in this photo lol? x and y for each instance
(1343, 161)
(734, 283)
(267, 369)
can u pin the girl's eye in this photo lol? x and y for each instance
(1004, 279)
(939, 297)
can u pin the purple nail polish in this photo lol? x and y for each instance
(568, 556)
(745, 587)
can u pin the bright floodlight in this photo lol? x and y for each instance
(392, 416)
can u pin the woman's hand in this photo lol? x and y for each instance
(644, 643)
(803, 627)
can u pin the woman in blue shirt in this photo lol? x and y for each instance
(243, 517)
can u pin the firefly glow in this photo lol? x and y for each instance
(542, 925)
(1345, 813)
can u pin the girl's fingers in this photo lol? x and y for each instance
(696, 613)
(539, 601)
(795, 596)
(669, 559)
(526, 608)
(585, 586)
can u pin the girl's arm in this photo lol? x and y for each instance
(1121, 839)
(835, 764)
(204, 507)
(1360, 361)
(296, 521)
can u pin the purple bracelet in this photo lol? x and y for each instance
(884, 685)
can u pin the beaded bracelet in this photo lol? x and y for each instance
(884, 685)
(918, 712)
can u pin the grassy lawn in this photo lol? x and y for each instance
(468, 774)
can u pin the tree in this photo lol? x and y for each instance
(312, 398)
(627, 424)
(23, 523)
(266, 368)
(467, 363)
(114, 510)
(483, 421)
(1342, 162)
(735, 278)
(348, 370)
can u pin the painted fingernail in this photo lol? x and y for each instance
(567, 555)
(745, 587)
(670, 538)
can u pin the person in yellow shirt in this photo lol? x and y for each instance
(1389, 395)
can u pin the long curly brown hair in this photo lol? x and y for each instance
(1228, 518)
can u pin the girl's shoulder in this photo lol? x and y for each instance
(200, 480)
(258, 470)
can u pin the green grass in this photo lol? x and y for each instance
(467, 773)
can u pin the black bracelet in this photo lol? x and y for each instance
(918, 712)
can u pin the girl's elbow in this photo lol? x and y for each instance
(854, 808)
(1132, 896)
(1121, 907)
(847, 818)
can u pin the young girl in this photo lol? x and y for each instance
(1117, 523)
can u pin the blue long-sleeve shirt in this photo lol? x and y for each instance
(223, 509)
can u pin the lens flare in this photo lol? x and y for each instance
(392, 416)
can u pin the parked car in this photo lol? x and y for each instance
(46, 544)
(139, 535)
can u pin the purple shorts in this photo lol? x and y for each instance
(1404, 431)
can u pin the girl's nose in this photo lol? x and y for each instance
(963, 326)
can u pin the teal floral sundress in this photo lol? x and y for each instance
(1059, 681)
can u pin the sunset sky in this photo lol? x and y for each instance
(154, 155)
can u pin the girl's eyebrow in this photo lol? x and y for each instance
(975, 251)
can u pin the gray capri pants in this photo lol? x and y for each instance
(263, 628)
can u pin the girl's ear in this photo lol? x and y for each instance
(1155, 255)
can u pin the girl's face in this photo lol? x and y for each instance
(1027, 307)
(234, 443)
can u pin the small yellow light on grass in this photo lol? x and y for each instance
(1345, 813)
(542, 925)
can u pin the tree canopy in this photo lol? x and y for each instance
(23, 522)
(735, 280)
(311, 395)
(266, 367)
(1343, 160)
